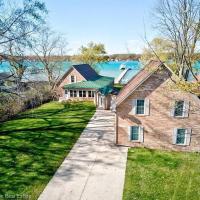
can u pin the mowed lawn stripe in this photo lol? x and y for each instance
(33, 145)
(161, 175)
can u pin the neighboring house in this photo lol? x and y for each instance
(151, 113)
(81, 82)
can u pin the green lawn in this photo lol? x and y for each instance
(34, 145)
(160, 175)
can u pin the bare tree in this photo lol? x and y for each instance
(18, 62)
(179, 22)
(47, 47)
(18, 21)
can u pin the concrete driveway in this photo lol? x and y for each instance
(95, 167)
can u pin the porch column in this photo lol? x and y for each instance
(95, 97)
(66, 95)
(104, 102)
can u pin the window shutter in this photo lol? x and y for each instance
(174, 136)
(172, 109)
(188, 136)
(147, 106)
(141, 132)
(75, 79)
(129, 133)
(186, 108)
(134, 106)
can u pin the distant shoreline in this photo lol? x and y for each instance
(112, 57)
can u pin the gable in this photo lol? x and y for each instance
(160, 89)
(66, 77)
(84, 72)
(63, 77)
(140, 78)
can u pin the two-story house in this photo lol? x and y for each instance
(151, 112)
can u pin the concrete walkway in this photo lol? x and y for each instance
(95, 167)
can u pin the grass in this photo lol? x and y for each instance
(160, 175)
(34, 145)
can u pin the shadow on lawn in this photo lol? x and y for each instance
(34, 145)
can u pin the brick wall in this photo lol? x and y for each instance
(159, 125)
(67, 80)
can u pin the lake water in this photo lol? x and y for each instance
(111, 68)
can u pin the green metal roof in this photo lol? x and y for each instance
(106, 90)
(102, 83)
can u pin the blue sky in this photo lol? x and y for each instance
(119, 24)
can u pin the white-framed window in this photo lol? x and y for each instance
(136, 133)
(71, 93)
(75, 93)
(72, 79)
(182, 136)
(93, 93)
(140, 106)
(180, 109)
(80, 93)
(84, 93)
(90, 94)
(66, 91)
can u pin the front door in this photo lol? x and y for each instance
(101, 101)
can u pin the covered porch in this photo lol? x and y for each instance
(99, 91)
(100, 100)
